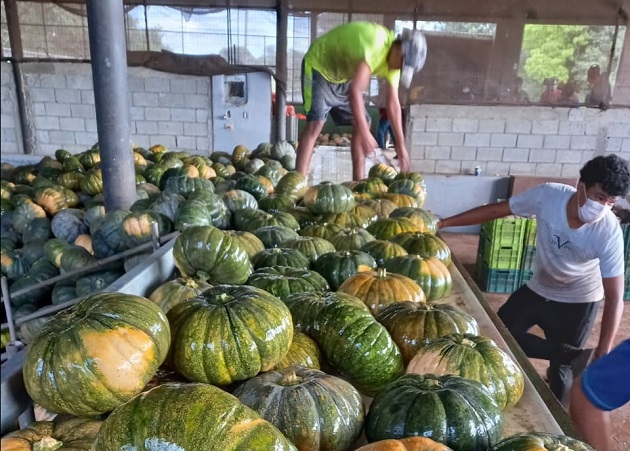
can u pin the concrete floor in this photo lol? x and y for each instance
(464, 247)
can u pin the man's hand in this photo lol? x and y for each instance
(403, 159)
(365, 142)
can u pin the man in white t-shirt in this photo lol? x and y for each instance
(579, 261)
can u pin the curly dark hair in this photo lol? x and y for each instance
(610, 171)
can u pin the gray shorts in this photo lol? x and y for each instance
(321, 97)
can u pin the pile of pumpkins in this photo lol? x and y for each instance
(334, 139)
(293, 309)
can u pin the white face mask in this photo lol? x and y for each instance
(591, 211)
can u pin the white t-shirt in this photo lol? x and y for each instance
(569, 263)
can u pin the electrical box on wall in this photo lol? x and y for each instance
(241, 110)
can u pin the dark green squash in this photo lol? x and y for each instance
(351, 239)
(314, 410)
(249, 241)
(208, 254)
(274, 235)
(425, 245)
(473, 357)
(350, 339)
(448, 409)
(338, 266)
(430, 273)
(283, 281)
(237, 199)
(383, 250)
(328, 197)
(278, 256)
(229, 333)
(176, 291)
(322, 230)
(95, 282)
(540, 441)
(312, 247)
(303, 352)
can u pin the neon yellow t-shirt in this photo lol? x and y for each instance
(337, 53)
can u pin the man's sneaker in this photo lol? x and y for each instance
(579, 363)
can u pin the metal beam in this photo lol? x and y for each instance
(25, 114)
(106, 27)
(281, 70)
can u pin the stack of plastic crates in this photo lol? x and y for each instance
(529, 251)
(626, 241)
(499, 255)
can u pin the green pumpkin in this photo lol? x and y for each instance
(324, 230)
(275, 202)
(92, 183)
(348, 220)
(383, 207)
(97, 354)
(425, 245)
(207, 418)
(413, 176)
(338, 266)
(328, 197)
(76, 434)
(273, 235)
(278, 256)
(89, 158)
(192, 213)
(424, 219)
(293, 184)
(303, 216)
(107, 234)
(283, 281)
(430, 273)
(73, 164)
(167, 204)
(351, 239)
(350, 339)
(39, 272)
(457, 412)
(540, 441)
(370, 185)
(303, 352)
(54, 249)
(208, 254)
(14, 264)
(70, 180)
(38, 229)
(383, 171)
(186, 185)
(412, 324)
(24, 213)
(473, 357)
(409, 187)
(274, 174)
(384, 229)
(176, 291)
(383, 250)
(63, 291)
(312, 247)
(136, 227)
(229, 333)
(250, 242)
(75, 257)
(68, 224)
(31, 328)
(237, 199)
(93, 214)
(95, 282)
(253, 185)
(401, 200)
(314, 410)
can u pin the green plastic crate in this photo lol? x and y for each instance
(499, 280)
(505, 231)
(497, 255)
(529, 255)
(530, 232)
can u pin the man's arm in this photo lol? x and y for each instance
(395, 118)
(478, 215)
(359, 85)
(613, 308)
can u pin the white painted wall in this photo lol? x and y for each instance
(10, 134)
(513, 140)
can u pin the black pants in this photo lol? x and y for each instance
(563, 324)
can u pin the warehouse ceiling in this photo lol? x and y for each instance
(602, 12)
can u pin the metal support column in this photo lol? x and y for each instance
(106, 27)
(281, 70)
(26, 115)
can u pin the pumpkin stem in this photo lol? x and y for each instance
(468, 342)
(290, 378)
(47, 444)
(382, 273)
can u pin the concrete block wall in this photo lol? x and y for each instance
(10, 133)
(169, 109)
(507, 140)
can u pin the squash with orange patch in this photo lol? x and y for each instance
(76, 434)
(96, 355)
(405, 444)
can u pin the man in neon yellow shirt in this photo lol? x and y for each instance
(336, 71)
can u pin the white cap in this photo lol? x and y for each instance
(414, 50)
